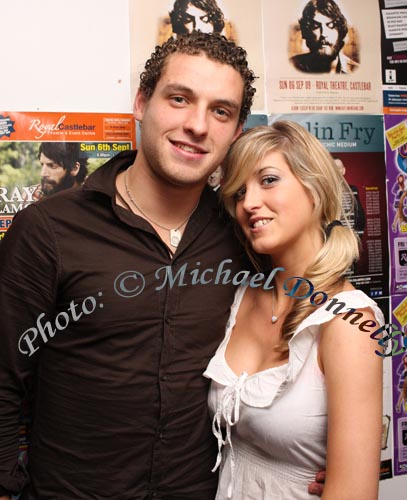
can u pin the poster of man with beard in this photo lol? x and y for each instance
(61, 168)
(46, 153)
(324, 28)
(330, 60)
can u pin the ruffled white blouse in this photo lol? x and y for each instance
(271, 426)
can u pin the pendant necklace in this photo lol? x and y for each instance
(175, 233)
(274, 318)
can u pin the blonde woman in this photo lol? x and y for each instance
(296, 385)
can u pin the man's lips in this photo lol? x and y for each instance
(189, 148)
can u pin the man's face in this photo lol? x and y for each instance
(197, 19)
(324, 37)
(190, 120)
(215, 177)
(54, 177)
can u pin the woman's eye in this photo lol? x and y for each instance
(267, 181)
(239, 193)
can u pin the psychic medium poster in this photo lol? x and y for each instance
(357, 145)
(83, 141)
(297, 82)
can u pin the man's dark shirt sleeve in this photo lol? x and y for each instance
(27, 285)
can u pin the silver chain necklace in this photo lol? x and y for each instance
(175, 233)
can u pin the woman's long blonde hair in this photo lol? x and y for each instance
(315, 168)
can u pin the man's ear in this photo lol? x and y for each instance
(75, 171)
(139, 105)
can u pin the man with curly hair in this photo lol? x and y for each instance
(106, 321)
(324, 28)
(115, 296)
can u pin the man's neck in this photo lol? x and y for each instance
(166, 201)
(165, 206)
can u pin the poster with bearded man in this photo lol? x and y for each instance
(330, 61)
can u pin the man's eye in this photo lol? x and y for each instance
(239, 194)
(205, 19)
(331, 25)
(178, 99)
(316, 26)
(222, 112)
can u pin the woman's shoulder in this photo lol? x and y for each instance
(348, 302)
(350, 310)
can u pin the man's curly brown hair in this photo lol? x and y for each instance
(215, 47)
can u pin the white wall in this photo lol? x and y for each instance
(64, 55)
(73, 55)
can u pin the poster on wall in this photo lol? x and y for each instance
(356, 143)
(396, 166)
(394, 55)
(152, 23)
(399, 361)
(327, 61)
(43, 153)
(386, 462)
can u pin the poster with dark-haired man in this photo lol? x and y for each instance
(322, 56)
(152, 23)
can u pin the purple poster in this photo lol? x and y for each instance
(399, 361)
(396, 168)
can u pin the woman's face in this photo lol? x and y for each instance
(276, 212)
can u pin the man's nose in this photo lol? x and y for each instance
(324, 31)
(44, 171)
(197, 122)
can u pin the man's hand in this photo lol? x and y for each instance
(316, 488)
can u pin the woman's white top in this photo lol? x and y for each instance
(274, 421)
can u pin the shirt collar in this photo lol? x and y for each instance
(103, 179)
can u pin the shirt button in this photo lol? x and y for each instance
(167, 321)
(164, 378)
(160, 435)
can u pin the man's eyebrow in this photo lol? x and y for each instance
(228, 103)
(179, 87)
